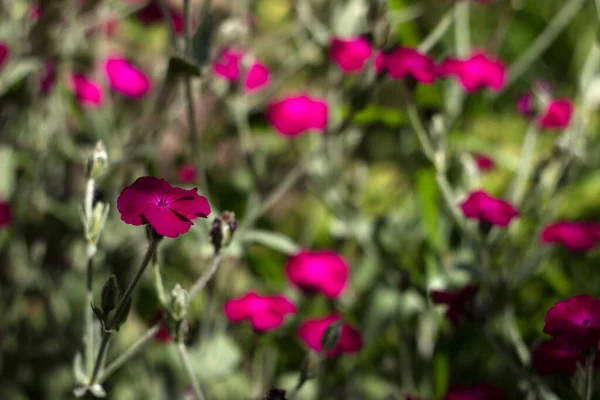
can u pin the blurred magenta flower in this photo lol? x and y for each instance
(311, 333)
(169, 210)
(402, 62)
(162, 335)
(576, 320)
(483, 207)
(5, 214)
(87, 91)
(125, 78)
(556, 355)
(557, 114)
(483, 391)
(187, 173)
(459, 302)
(229, 67)
(350, 54)
(324, 271)
(475, 72)
(48, 79)
(257, 77)
(484, 163)
(297, 114)
(264, 312)
(4, 53)
(526, 105)
(152, 14)
(34, 13)
(575, 236)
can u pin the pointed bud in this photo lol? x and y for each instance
(120, 319)
(96, 224)
(223, 228)
(332, 335)
(110, 295)
(179, 302)
(98, 161)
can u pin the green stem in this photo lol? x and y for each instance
(164, 8)
(598, 8)
(438, 32)
(101, 356)
(203, 280)
(89, 320)
(421, 132)
(309, 20)
(462, 31)
(544, 40)
(189, 369)
(589, 377)
(158, 283)
(527, 150)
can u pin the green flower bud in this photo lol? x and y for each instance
(179, 302)
(332, 335)
(110, 295)
(98, 162)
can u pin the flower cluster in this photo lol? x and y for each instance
(230, 66)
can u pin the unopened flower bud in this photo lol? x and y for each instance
(179, 302)
(110, 295)
(98, 161)
(96, 223)
(332, 335)
(223, 228)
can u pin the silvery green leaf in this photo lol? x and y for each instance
(78, 371)
(97, 390)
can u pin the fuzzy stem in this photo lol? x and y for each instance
(189, 369)
(438, 32)
(203, 280)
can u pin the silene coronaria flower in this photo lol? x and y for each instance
(229, 66)
(187, 173)
(5, 214)
(403, 62)
(575, 236)
(4, 54)
(483, 207)
(576, 320)
(87, 91)
(350, 54)
(460, 302)
(311, 333)
(151, 14)
(263, 312)
(556, 356)
(322, 271)
(126, 79)
(483, 391)
(169, 210)
(297, 114)
(484, 162)
(557, 114)
(475, 72)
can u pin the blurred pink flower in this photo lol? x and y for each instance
(5, 214)
(187, 173)
(557, 115)
(162, 335)
(476, 72)
(481, 206)
(404, 61)
(264, 312)
(459, 302)
(483, 391)
(258, 76)
(297, 114)
(170, 210)
(34, 14)
(350, 54)
(555, 355)
(229, 67)
(4, 53)
(311, 333)
(379, 62)
(87, 91)
(484, 163)
(48, 79)
(576, 320)
(575, 236)
(323, 271)
(125, 78)
(152, 14)
(525, 105)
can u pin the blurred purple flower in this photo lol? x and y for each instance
(402, 62)
(483, 391)
(323, 271)
(576, 320)
(264, 312)
(229, 67)
(484, 163)
(4, 53)
(48, 79)
(557, 114)
(87, 91)
(5, 214)
(459, 302)
(297, 114)
(311, 333)
(187, 173)
(350, 54)
(152, 14)
(483, 207)
(125, 78)
(475, 72)
(556, 355)
(575, 236)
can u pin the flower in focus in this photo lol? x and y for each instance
(576, 320)
(162, 335)
(476, 72)
(264, 312)
(311, 332)
(402, 62)
(557, 114)
(169, 210)
(229, 67)
(483, 207)
(48, 79)
(125, 78)
(484, 163)
(323, 271)
(4, 54)
(556, 355)
(459, 302)
(350, 54)
(483, 391)
(294, 115)
(5, 214)
(87, 91)
(187, 173)
(575, 236)
(152, 14)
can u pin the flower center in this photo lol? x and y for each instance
(162, 203)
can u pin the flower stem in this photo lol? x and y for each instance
(89, 320)
(164, 8)
(462, 31)
(101, 355)
(438, 32)
(528, 148)
(589, 377)
(189, 369)
(203, 280)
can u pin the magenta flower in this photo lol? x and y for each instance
(48, 79)
(402, 62)
(229, 67)
(4, 54)
(258, 76)
(187, 173)
(264, 312)
(557, 115)
(379, 63)
(5, 214)
(459, 302)
(476, 72)
(484, 163)
(169, 210)
(311, 333)
(526, 105)
(151, 14)
(323, 271)
(576, 320)
(87, 91)
(162, 335)
(483, 391)
(350, 54)
(575, 236)
(294, 115)
(480, 205)
(125, 78)
(556, 355)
